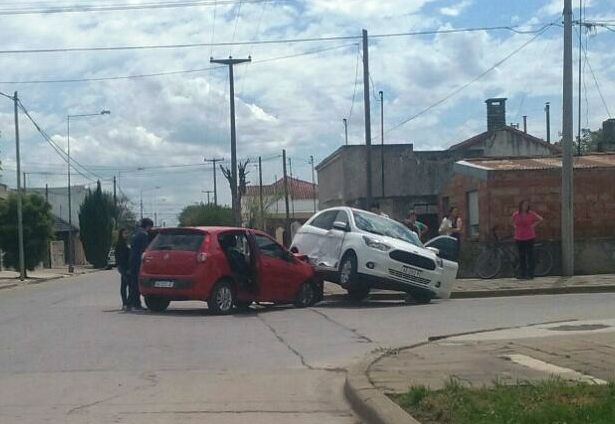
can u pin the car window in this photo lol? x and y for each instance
(381, 225)
(269, 247)
(446, 245)
(184, 240)
(324, 220)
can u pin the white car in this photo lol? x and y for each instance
(360, 250)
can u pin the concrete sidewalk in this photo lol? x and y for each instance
(9, 279)
(473, 287)
(574, 350)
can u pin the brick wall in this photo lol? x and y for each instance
(499, 196)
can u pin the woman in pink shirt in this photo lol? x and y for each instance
(525, 221)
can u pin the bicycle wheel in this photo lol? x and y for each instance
(543, 261)
(489, 263)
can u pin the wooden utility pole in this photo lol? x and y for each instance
(345, 121)
(22, 267)
(548, 116)
(567, 166)
(287, 220)
(234, 197)
(313, 183)
(261, 207)
(214, 161)
(368, 120)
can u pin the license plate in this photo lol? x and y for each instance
(164, 284)
(411, 271)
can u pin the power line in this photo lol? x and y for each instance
(356, 79)
(114, 8)
(279, 41)
(589, 65)
(159, 74)
(472, 81)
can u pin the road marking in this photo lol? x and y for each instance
(565, 373)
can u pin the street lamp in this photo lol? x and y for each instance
(71, 265)
(141, 197)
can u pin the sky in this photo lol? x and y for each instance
(293, 95)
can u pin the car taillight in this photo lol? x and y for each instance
(201, 257)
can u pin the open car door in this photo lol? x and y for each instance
(448, 251)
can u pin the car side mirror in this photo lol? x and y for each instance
(339, 225)
(434, 250)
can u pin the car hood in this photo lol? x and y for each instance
(398, 244)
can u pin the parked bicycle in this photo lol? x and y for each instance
(500, 251)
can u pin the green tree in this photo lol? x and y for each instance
(37, 230)
(205, 215)
(96, 226)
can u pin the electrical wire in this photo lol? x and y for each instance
(356, 80)
(279, 41)
(469, 83)
(589, 65)
(166, 73)
(115, 8)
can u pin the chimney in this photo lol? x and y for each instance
(496, 113)
(525, 124)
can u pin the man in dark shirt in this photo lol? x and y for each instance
(139, 243)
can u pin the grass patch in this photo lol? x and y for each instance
(549, 402)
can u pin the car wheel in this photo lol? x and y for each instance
(306, 296)
(221, 298)
(358, 293)
(348, 270)
(156, 303)
(420, 298)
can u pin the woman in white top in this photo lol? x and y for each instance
(452, 224)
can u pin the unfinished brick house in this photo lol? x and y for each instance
(487, 191)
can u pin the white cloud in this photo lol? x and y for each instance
(455, 9)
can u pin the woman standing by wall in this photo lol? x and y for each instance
(525, 221)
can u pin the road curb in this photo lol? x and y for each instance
(477, 294)
(35, 281)
(8, 286)
(372, 405)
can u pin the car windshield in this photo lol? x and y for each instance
(383, 226)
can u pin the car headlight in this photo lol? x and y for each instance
(440, 262)
(376, 244)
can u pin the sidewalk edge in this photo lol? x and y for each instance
(372, 405)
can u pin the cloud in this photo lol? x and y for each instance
(455, 9)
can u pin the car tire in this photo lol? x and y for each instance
(421, 298)
(348, 270)
(222, 298)
(358, 292)
(306, 295)
(156, 303)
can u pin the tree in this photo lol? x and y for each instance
(96, 226)
(37, 230)
(125, 217)
(206, 215)
(242, 171)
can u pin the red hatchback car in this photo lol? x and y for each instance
(226, 267)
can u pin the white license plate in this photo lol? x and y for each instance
(164, 284)
(411, 271)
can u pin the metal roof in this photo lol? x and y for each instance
(523, 164)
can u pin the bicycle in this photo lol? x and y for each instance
(492, 257)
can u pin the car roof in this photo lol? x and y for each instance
(214, 229)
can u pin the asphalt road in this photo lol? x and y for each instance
(68, 354)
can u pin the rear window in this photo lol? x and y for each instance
(178, 240)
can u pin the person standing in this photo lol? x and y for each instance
(525, 221)
(415, 225)
(122, 259)
(452, 225)
(138, 244)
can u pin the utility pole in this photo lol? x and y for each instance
(47, 193)
(525, 124)
(382, 139)
(24, 183)
(292, 198)
(141, 205)
(580, 72)
(345, 121)
(235, 204)
(22, 266)
(115, 200)
(567, 166)
(313, 183)
(260, 193)
(368, 122)
(207, 192)
(548, 114)
(214, 161)
(287, 220)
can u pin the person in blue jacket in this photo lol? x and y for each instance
(138, 244)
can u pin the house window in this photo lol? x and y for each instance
(473, 228)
